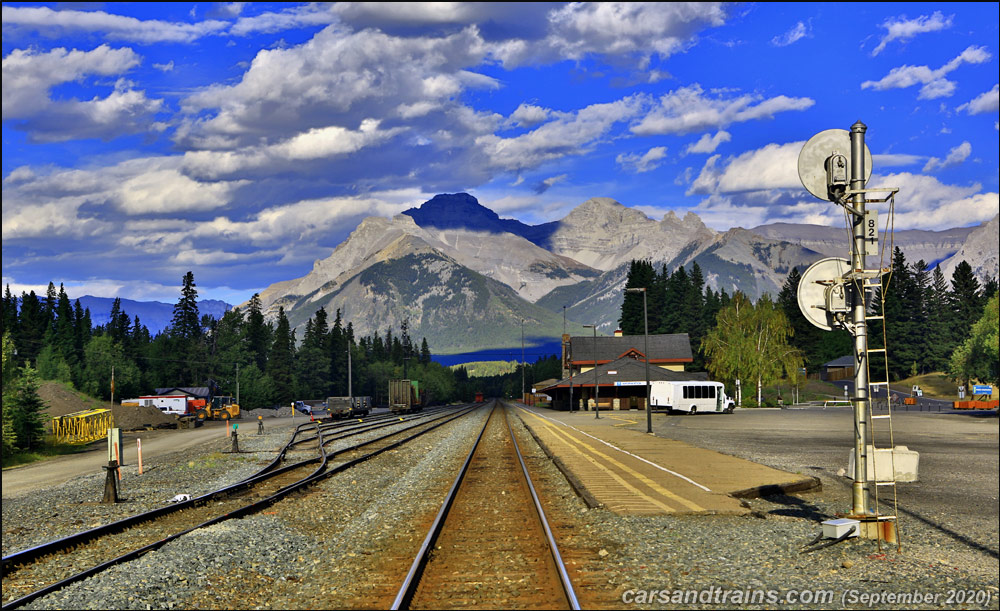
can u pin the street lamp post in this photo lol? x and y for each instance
(645, 324)
(597, 391)
(350, 387)
(522, 359)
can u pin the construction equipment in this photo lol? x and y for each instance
(219, 408)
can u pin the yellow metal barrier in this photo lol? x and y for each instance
(82, 427)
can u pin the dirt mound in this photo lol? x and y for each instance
(135, 418)
(61, 400)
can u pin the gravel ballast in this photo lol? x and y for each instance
(343, 543)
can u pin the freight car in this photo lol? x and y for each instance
(405, 396)
(348, 407)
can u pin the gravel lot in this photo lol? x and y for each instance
(344, 543)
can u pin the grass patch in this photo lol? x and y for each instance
(935, 385)
(811, 390)
(49, 450)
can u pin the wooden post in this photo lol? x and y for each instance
(138, 447)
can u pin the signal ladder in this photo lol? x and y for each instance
(870, 284)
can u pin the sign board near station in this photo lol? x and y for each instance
(982, 389)
(640, 383)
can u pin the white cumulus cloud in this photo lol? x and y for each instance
(955, 157)
(650, 160)
(901, 28)
(988, 101)
(690, 109)
(935, 85)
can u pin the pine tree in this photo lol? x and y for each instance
(919, 314)
(186, 322)
(425, 352)
(258, 333)
(632, 321)
(966, 301)
(694, 306)
(25, 409)
(31, 327)
(281, 359)
(64, 340)
(899, 295)
(9, 315)
(312, 362)
(938, 339)
(337, 347)
(49, 306)
(676, 302)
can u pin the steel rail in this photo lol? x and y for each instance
(132, 555)
(409, 586)
(553, 547)
(320, 473)
(271, 469)
(35, 552)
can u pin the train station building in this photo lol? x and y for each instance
(620, 363)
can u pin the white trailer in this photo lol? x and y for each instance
(690, 397)
(169, 404)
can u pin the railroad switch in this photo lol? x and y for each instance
(111, 483)
(236, 443)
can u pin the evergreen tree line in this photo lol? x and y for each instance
(51, 338)
(507, 384)
(676, 302)
(927, 316)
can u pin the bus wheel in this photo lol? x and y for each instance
(694, 410)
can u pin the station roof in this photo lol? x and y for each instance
(194, 391)
(663, 348)
(844, 361)
(625, 369)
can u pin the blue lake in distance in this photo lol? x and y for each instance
(532, 352)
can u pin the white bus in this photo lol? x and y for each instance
(691, 397)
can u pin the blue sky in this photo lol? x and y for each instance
(243, 141)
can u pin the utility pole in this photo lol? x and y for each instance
(522, 359)
(645, 323)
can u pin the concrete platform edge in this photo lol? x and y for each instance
(574, 482)
(801, 485)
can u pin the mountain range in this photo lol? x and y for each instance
(154, 315)
(467, 280)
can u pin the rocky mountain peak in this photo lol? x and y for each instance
(604, 212)
(453, 211)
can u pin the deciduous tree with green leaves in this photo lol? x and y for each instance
(751, 342)
(978, 357)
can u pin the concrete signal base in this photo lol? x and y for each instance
(905, 460)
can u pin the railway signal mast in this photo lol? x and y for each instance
(835, 165)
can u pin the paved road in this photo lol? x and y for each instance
(959, 456)
(154, 443)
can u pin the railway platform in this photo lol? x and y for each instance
(635, 473)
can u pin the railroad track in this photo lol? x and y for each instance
(35, 572)
(490, 545)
